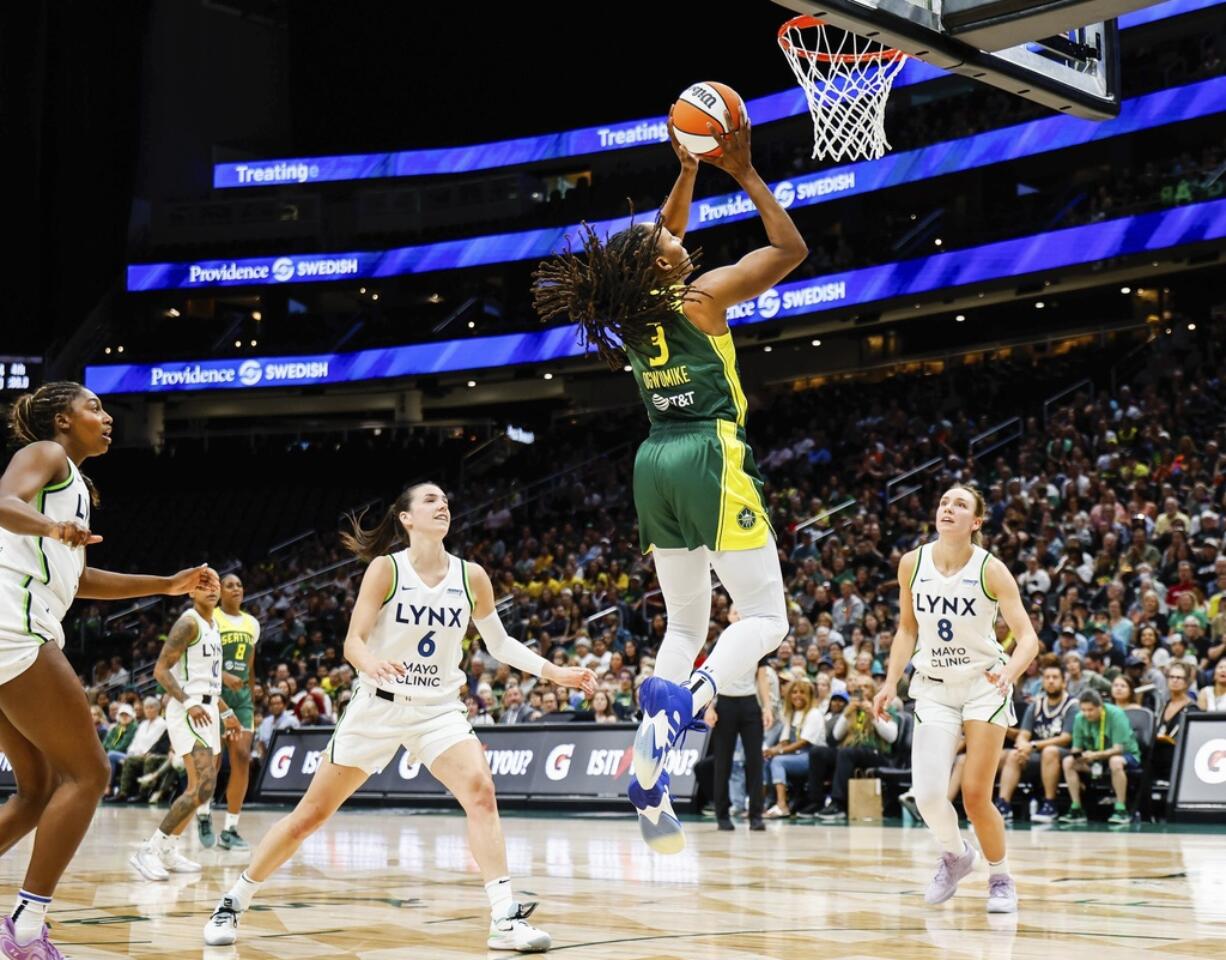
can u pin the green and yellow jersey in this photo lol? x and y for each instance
(695, 480)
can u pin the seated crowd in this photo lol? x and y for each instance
(1109, 512)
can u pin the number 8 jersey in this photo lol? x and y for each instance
(957, 618)
(423, 628)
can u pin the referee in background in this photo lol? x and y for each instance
(738, 712)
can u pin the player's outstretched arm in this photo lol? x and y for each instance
(98, 584)
(676, 210)
(758, 271)
(511, 651)
(376, 590)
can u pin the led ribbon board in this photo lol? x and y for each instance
(1143, 233)
(1165, 107)
(569, 143)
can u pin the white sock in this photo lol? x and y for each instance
(232, 821)
(244, 890)
(29, 915)
(702, 688)
(499, 892)
(205, 810)
(1001, 866)
(162, 842)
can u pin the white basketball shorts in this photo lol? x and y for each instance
(373, 729)
(184, 736)
(950, 703)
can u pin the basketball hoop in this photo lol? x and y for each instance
(846, 79)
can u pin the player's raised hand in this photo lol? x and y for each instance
(72, 534)
(688, 160)
(734, 158)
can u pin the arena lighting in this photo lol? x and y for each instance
(119, 349)
(959, 318)
(627, 368)
(107, 351)
(767, 348)
(1037, 137)
(472, 383)
(937, 242)
(1125, 289)
(238, 343)
(172, 313)
(549, 376)
(816, 343)
(1039, 304)
(608, 138)
(472, 324)
(1191, 326)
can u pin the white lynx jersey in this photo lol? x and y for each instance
(39, 577)
(956, 618)
(423, 628)
(199, 669)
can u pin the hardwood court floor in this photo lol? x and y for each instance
(382, 884)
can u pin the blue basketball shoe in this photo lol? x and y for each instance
(659, 826)
(668, 711)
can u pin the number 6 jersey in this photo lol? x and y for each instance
(423, 628)
(956, 616)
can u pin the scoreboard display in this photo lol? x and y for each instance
(19, 375)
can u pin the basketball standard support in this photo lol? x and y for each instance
(1077, 74)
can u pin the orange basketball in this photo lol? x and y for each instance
(703, 104)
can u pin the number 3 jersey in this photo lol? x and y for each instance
(39, 576)
(956, 616)
(423, 628)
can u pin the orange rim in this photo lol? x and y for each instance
(800, 23)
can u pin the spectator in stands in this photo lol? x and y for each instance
(100, 724)
(146, 752)
(602, 708)
(803, 728)
(1212, 696)
(1171, 718)
(514, 710)
(309, 715)
(863, 741)
(1103, 743)
(1123, 692)
(1046, 732)
(548, 709)
(278, 718)
(118, 738)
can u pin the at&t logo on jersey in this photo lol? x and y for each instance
(662, 403)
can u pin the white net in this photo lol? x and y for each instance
(846, 79)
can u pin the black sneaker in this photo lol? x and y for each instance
(807, 812)
(757, 823)
(831, 813)
(205, 827)
(725, 825)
